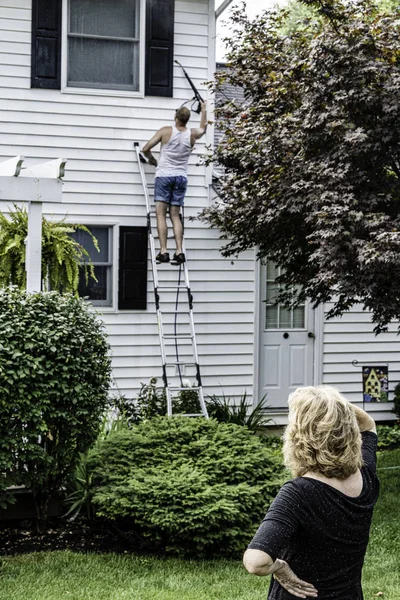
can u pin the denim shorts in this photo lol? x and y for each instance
(170, 189)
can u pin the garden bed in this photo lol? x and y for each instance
(21, 538)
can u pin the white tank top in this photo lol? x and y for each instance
(174, 156)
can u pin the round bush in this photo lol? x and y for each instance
(54, 384)
(185, 485)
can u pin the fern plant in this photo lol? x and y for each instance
(62, 256)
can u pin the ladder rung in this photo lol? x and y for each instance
(182, 336)
(168, 288)
(189, 415)
(175, 364)
(177, 388)
(175, 312)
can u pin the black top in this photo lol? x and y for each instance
(321, 532)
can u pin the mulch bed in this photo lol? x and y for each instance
(21, 538)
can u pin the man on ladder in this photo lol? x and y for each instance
(177, 143)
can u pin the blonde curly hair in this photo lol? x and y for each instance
(323, 435)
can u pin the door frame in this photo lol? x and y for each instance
(319, 320)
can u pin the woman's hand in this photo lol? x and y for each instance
(295, 586)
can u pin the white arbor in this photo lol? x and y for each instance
(36, 185)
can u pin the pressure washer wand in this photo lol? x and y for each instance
(195, 90)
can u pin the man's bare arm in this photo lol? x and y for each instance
(196, 134)
(156, 139)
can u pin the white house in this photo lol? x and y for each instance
(83, 80)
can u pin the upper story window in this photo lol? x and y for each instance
(109, 47)
(105, 44)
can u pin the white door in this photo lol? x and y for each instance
(286, 343)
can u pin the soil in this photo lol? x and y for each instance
(21, 538)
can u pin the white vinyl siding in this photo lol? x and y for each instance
(95, 133)
(351, 338)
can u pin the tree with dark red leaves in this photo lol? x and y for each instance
(312, 156)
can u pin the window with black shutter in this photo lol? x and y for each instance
(132, 275)
(46, 44)
(159, 47)
(106, 44)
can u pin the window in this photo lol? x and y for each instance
(276, 315)
(100, 291)
(111, 46)
(105, 43)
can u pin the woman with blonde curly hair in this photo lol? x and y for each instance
(315, 534)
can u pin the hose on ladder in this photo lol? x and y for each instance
(176, 306)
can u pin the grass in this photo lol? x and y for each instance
(72, 576)
(382, 564)
(64, 575)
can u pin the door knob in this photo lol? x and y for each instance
(311, 335)
(286, 335)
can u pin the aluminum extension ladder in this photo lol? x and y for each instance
(172, 336)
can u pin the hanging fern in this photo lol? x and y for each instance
(62, 256)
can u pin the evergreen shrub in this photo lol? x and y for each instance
(54, 384)
(188, 486)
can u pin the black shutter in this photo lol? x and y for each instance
(132, 276)
(46, 44)
(159, 47)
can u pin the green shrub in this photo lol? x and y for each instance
(54, 383)
(226, 411)
(187, 402)
(184, 485)
(79, 489)
(388, 436)
(151, 402)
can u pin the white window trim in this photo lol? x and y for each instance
(65, 89)
(114, 226)
(110, 265)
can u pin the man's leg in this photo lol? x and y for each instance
(162, 228)
(174, 212)
(177, 200)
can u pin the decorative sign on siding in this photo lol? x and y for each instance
(375, 384)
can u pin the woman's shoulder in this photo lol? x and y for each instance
(294, 498)
(300, 490)
(295, 490)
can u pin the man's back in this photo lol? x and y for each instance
(175, 152)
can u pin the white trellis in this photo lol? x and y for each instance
(35, 185)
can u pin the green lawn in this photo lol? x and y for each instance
(65, 575)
